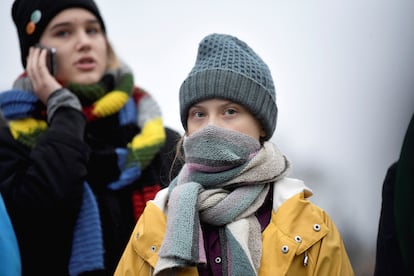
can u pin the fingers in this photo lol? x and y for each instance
(43, 82)
(36, 64)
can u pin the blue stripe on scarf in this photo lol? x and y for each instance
(16, 104)
(128, 114)
(87, 248)
(128, 174)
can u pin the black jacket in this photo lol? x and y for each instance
(42, 187)
(388, 255)
(395, 239)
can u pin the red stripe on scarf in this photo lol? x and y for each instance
(140, 198)
(87, 110)
(138, 93)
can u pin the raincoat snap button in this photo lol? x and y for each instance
(217, 260)
(298, 239)
(285, 249)
(316, 227)
(153, 248)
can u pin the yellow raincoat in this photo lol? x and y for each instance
(300, 239)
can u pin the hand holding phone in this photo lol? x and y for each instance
(50, 58)
(43, 84)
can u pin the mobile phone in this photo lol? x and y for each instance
(50, 59)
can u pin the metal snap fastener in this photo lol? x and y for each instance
(285, 249)
(298, 239)
(316, 227)
(217, 260)
(137, 235)
(153, 248)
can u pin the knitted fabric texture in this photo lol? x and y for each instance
(226, 178)
(26, 118)
(31, 18)
(228, 68)
(87, 247)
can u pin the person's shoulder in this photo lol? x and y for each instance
(286, 188)
(390, 177)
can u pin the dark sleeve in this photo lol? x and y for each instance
(404, 199)
(42, 188)
(51, 174)
(388, 256)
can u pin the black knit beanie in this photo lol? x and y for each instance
(228, 68)
(32, 16)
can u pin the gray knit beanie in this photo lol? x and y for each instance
(228, 68)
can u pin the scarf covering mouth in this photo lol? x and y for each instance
(26, 117)
(225, 179)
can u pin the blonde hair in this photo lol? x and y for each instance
(113, 60)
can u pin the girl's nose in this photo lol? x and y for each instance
(214, 121)
(83, 41)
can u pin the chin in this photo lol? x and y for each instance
(87, 79)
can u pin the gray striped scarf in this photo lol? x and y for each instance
(226, 178)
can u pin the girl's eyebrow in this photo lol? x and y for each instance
(68, 23)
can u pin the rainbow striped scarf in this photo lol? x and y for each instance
(115, 94)
(226, 178)
(26, 117)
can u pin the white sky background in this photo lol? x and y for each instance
(343, 72)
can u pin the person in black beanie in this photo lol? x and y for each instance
(82, 148)
(232, 209)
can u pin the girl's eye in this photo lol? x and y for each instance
(62, 33)
(92, 30)
(198, 114)
(230, 111)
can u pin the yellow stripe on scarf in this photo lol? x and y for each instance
(152, 133)
(26, 127)
(110, 104)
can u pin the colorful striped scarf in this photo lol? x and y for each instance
(226, 178)
(26, 117)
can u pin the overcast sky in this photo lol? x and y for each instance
(343, 72)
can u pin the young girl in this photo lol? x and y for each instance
(232, 210)
(83, 148)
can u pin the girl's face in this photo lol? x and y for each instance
(224, 114)
(81, 46)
